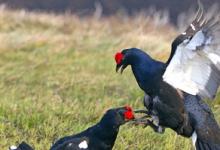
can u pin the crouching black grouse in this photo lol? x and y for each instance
(101, 136)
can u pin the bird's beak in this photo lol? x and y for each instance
(120, 66)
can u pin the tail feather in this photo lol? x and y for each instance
(200, 145)
(25, 146)
(22, 146)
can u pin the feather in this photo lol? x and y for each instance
(195, 64)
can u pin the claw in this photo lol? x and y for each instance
(145, 121)
(137, 122)
(141, 121)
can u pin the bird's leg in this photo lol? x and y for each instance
(147, 122)
(141, 120)
(147, 103)
(156, 128)
(152, 122)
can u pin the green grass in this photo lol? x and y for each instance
(58, 77)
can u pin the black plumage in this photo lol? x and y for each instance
(165, 103)
(101, 136)
(173, 103)
(22, 146)
(203, 123)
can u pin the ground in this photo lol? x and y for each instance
(58, 77)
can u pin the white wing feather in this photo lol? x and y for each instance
(195, 66)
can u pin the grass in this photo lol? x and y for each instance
(58, 77)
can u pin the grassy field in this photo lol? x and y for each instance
(58, 77)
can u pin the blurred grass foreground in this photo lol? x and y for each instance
(58, 76)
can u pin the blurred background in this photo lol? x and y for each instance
(108, 8)
(57, 68)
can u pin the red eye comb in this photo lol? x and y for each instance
(129, 113)
(128, 108)
(118, 57)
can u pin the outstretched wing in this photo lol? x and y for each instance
(191, 30)
(194, 64)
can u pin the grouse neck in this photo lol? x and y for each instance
(148, 73)
(107, 132)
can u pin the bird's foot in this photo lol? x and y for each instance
(156, 128)
(141, 121)
(145, 122)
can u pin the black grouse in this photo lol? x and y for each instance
(101, 136)
(175, 89)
